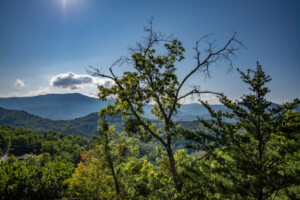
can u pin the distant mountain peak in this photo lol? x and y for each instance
(55, 106)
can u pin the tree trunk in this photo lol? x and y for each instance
(177, 182)
(111, 166)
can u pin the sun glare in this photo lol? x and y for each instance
(64, 2)
(67, 4)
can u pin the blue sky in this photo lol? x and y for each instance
(43, 42)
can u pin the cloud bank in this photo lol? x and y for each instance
(74, 81)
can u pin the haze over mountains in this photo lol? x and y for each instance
(71, 106)
(55, 106)
(84, 126)
(78, 114)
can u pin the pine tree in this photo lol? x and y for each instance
(257, 149)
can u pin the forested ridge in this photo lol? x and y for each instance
(84, 126)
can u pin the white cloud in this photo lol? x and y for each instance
(74, 81)
(210, 98)
(19, 83)
(101, 81)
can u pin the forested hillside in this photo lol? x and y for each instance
(20, 141)
(84, 126)
(49, 159)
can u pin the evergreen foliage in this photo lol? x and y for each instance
(257, 156)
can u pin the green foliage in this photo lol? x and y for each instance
(27, 180)
(102, 171)
(251, 152)
(42, 177)
(12, 159)
(43, 159)
(24, 141)
(20, 145)
(153, 79)
(254, 156)
(258, 155)
(3, 143)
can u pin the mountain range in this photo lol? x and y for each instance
(78, 114)
(55, 106)
(84, 126)
(71, 106)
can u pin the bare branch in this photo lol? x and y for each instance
(153, 38)
(213, 56)
(98, 73)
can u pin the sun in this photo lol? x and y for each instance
(64, 2)
(69, 4)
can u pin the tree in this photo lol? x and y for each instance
(20, 145)
(153, 79)
(105, 140)
(54, 175)
(257, 153)
(27, 180)
(43, 159)
(102, 171)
